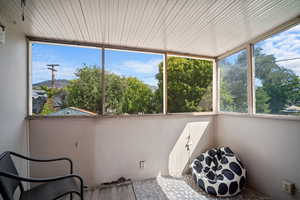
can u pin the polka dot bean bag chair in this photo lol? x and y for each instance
(219, 172)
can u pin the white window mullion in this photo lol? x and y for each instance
(103, 80)
(165, 80)
(251, 81)
(29, 77)
(215, 87)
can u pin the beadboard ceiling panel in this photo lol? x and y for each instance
(203, 27)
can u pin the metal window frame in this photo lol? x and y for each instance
(29, 77)
(214, 84)
(102, 48)
(249, 46)
(249, 101)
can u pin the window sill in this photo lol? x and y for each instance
(264, 116)
(192, 114)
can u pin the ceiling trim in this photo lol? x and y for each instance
(117, 47)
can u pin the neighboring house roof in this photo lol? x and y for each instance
(73, 111)
(292, 109)
(38, 93)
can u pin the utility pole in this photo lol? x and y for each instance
(51, 67)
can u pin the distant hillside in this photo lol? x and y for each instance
(60, 83)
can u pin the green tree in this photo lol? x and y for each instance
(234, 84)
(280, 84)
(189, 84)
(85, 91)
(122, 95)
(114, 93)
(262, 98)
(48, 107)
(51, 93)
(226, 99)
(278, 87)
(137, 97)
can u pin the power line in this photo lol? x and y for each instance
(287, 59)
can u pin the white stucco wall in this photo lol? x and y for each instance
(270, 148)
(13, 64)
(110, 148)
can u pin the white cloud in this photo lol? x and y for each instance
(285, 45)
(148, 67)
(150, 81)
(144, 71)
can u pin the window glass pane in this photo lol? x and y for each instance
(277, 73)
(233, 83)
(65, 80)
(189, 85)
(133, 84)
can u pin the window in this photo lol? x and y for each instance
(65, 80)
(133, 82)
(189, 85)
(233, 83)
(277, 73)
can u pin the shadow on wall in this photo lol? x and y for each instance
(195, 137)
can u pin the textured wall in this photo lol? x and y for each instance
(13, 95)
(270, 149)
(105, 149)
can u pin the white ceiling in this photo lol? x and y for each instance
(203, 27)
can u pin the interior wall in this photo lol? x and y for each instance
(13, 65)
(270, 149)
(106, 149)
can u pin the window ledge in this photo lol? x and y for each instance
(264, 116)
(193, 114)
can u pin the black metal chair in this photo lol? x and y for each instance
(52, 188)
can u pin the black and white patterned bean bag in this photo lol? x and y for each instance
(219, 172)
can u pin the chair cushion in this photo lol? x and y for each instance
(52, 190)
(219, 172)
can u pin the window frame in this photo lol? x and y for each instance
(104, 82)
(102, 49)
(249, 87)
(29, 74)
(249, 46)
(214, 86)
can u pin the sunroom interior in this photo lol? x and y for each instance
(139, 89)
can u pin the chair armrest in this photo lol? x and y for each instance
(45, 160)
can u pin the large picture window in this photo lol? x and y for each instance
(233, 83)
(189, 85)
(277, 73)
(65, 80)
(132, 82)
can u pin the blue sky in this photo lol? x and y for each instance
(68, 57)
(124, 63)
